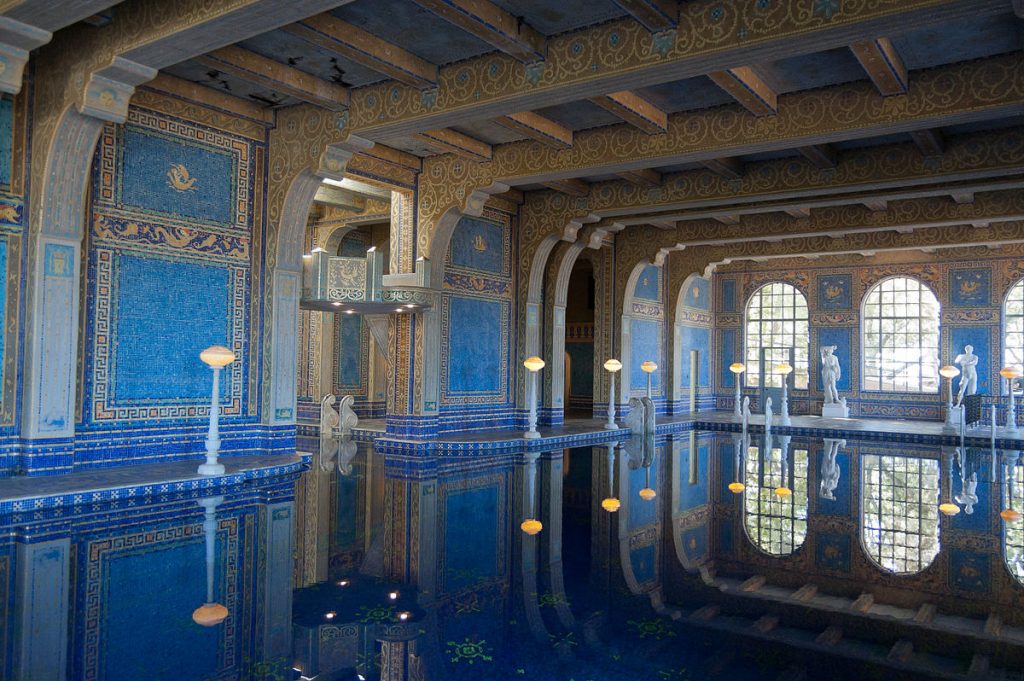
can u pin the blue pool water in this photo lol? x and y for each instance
(832, 561)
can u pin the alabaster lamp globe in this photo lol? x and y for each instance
(217, 356)
(1010, 373)
(783, 369)
(737, 367)
(783, 492)
(1009, 515)
(736, 487)
(612, 365)
(531, 526)
(649, 367)
(949, 509)
(647, 494)
(209, 614)
(534, 363)
(949, 371)
(611, 504)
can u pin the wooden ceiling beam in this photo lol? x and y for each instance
(655, 15)
(635, 110)
(570, 186)
(883, 65)
(748, 88)
(729, 168)
(334, 35)
(644, 177)
(821, 155)
(539, 128)
(493, 25)
(448, 141)
(273, 75)
(930, 142)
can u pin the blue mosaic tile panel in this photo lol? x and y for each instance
(842, 338)
(648, 286)
(969, 571)
(697, 294)
(645, 337)
(476, 357)
(166, 314)
(980, 338)
(832, 552)
(472, 536)
(480, 245)
(699, 339)
(970, 287)
(642, 560)
(835, 292)
(352, 352)
(729, 295)
(730, 352)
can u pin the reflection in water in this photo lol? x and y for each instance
(1013, 528)
(775, 498)
(899, 511)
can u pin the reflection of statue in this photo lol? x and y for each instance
(831, 372)
(746, 413)
(968, 362)
(768, 413)
(968, 492)
(830, 469)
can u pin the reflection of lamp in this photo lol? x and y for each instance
(740, 443)
(530, 525)
(611, 504)
(1009, 514)
(785, 488)
(210, 614)
(216, 357)
(611, 366)
(785, 370)
(534, 364)
(948, 508)
(737, 368)
(949, 371)
(1010, 374)
(649, 367)
(648, 493)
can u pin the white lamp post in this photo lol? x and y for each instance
(1010, 374)
(950, 372)
(534, 364)
(737, 369)
(785, 370)
(216, 357)
(649, 367)
(611, 366)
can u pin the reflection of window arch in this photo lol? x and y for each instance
(776, 525)
(776, 317)
(1013, 326)
(900, 511)
(900, 337)
(1013, 532)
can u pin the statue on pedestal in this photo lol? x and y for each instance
(968, 362)
(831, 372)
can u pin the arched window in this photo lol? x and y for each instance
(776, 318)
(900, 511)
(776, 524)
(1013, 326)
(900, 337)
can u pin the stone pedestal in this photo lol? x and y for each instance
(836, 410)
(953, 416)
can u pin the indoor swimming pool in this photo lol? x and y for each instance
(664, 559)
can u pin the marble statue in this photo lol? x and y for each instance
(349, 420)
(968, 362)
(830, 469)
(330, 419)
(831, 372)
(768, 414)
(746, 413)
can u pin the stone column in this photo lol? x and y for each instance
(41, 613)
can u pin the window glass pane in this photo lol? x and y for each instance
(776, 317)
(1013, 324)
(900, 511)
(900, 337)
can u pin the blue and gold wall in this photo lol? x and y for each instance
(174, 255)
(647, 334)
(477, 325)
(970, 292)
(694, 329)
